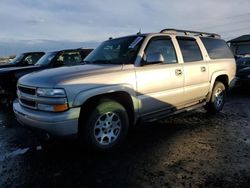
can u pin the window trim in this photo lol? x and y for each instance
(159, 38)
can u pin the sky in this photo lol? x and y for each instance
(53, 24)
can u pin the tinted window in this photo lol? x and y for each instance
(70, 58)
(217, 48)
(17, 59)
(46, 59)
(32, 58)
(116, 51)
(189, 49)
(163, 46)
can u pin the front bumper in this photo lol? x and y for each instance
(58, 124)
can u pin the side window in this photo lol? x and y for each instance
(189, 49)
(217, 48)
(32, 58)
(164, 47)
(70, 58)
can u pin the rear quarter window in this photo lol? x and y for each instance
(217, 48)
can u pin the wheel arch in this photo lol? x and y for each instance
(220, 76)
(122, 97)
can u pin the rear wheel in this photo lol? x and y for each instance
(217, 99)
(106, 126)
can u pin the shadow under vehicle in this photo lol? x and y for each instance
(9, 76)
(24, 59)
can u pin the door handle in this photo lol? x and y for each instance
(203, 69)
(178, 72)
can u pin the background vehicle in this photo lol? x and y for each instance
(24, 59)
(139, 77)
(243, 70)
(243, 62)
(9, 76)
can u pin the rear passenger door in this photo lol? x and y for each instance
(196, 76)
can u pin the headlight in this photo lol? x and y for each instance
(45, 92)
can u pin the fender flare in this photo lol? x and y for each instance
(212, 81)
(85, 95)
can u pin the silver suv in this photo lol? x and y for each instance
(143, 76)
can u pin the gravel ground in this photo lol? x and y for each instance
(192, 149)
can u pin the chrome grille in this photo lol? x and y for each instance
(26, 96)
(28, 103)
(27, 90)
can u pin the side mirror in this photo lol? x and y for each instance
(154, 58)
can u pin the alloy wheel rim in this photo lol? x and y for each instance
(107, 128)
(219, 97)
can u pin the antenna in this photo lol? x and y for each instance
(139, 32)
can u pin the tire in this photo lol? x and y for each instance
(217, 99)
(106, 126)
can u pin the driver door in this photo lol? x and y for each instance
(160, 84)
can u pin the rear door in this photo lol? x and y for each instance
(196, 75)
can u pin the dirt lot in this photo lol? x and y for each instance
(188, 150)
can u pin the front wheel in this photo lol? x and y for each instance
(217, 99)
(106, 126)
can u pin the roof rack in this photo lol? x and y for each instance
(187, 32)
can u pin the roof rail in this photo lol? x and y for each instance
(187, 32)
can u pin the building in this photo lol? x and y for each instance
(240, 45)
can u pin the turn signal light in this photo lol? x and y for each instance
(60, 107)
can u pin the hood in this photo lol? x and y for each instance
(7, 65)
(19, 70)
(51, 77)
(13, 69)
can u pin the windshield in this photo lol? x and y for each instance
(46, 59)
(17, 59)
(116, 51)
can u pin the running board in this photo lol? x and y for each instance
(169, 112)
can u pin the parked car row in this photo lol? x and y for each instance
(24, 59)
(31, 62)
(142, 77)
